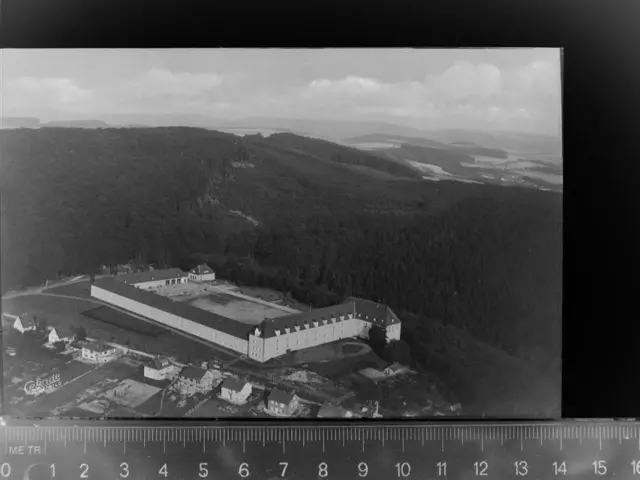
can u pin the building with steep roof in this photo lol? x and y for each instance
(202, 273)
(235, 390)
(158, 368)
(25, 322)
(282, 403)
(98, 352)
(60, 333)
(195, 380)
(271, 338)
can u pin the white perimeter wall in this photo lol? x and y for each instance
(160, 316)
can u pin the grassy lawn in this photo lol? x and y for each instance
(71, 312)
(124, 321)
(78, 289)
(342, 366)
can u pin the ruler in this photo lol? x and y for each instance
(301, 450)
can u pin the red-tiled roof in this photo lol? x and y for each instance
(193, 373)
(232, 383)
(281, 397)
(151, 276)
(179, 309)
(202, 269)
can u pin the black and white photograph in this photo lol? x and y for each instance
(281, 233)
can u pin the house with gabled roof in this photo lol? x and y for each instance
(60, 333)
(282, 403)
(158, 368)
(202, 273)
(25, 322)
(194, 380)
(235, 390)
(98, 352)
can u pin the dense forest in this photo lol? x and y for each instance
(468, 267)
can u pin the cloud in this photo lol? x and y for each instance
(464, 94)
(162, 82)
(43, 92)
(351, 85)
(464, 80)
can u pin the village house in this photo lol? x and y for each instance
(235, 390)
(25, 322)
(60, 333)
(194, 380)
(282, 403)
(202, 273)
(158, 368)
(98, 352)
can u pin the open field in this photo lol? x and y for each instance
(70, 312)
(46, 305)
(331, 351)
(78, 289)
(131, 393)
(346, 365)
(124, 321)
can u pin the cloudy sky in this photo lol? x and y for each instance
(500, 90)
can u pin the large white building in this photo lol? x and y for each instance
(270, 339)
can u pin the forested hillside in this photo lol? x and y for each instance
(483, 260)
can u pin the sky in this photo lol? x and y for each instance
(517, 90)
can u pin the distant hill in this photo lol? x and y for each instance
(19, 122)
(77, 124)
(331, 129)
(467, 148)
(517, 142)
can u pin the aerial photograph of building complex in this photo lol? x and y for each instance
(339, 239)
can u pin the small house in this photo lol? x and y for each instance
(60, 333)
(235, 390)
(282, 403)
(25, 322)
(158, 368)
(202, 273)
(98, 352)
(195, 380)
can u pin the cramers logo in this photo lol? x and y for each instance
(36, 387)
